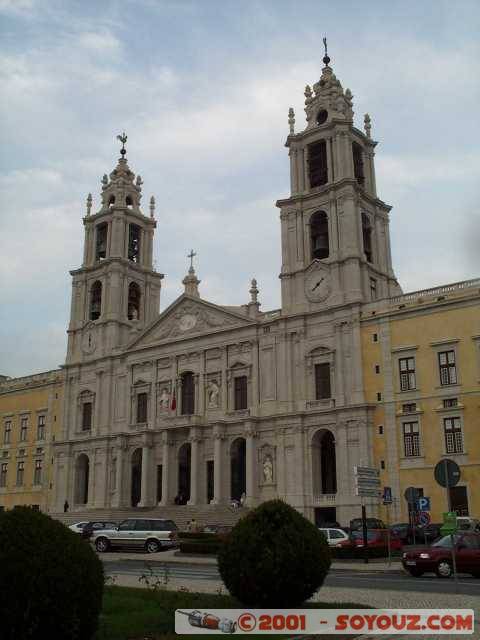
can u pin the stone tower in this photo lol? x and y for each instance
(116, 291)
(335, 230)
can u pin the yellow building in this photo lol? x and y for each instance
(30, 415)
(421, 358)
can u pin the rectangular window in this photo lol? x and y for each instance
(240, 390)
(377, 368)
(23, 429)
(317, 161)
(407, 373)
(87, 416)
(448, 370)
(322, 381)
(375, 337)
(142, 400)
(450, 402)
(41, 428)
(411, 439)
(453, 435)
(7, 434)
(379, 396)
(20, 473)
(3, 474)
(380, 430)
(37, 477)
(410, 407)
(188, 394)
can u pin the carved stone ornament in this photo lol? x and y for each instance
(89, 338)
(213, 391)
(191, 318)
(164, 398)
(267, 469)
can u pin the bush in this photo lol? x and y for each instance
(51, 580)
(274, 557)
(201, 547)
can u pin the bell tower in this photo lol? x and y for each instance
(335, 230)
(116, 291)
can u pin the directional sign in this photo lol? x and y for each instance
(447, 470)
(423, 504)
(423, 518)
(367, 482)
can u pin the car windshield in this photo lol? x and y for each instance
(446, 541)
(358, 535)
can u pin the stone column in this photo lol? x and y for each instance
(251, 465)
(344, 474)
(194, 466)
(166, 462)
(218, 470)
(330, 170)
(118, 500)
(299, 467)
(145, 494)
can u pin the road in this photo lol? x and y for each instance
(387, 581)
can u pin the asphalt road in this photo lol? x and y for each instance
(388, 581)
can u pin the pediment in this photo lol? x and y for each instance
(187, 317)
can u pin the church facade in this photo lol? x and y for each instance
(203, 403)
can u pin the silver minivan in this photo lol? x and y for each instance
(150, 534)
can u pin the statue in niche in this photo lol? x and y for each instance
(213, 391)
(268, 470)
(164, 400)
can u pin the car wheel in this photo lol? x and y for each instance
(444, 569)
(416, 573)
(102, 545)
(152, 546)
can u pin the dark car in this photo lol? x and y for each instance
(437, 558)
(96, 525)
(372, 523)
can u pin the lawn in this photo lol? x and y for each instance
(145, 614)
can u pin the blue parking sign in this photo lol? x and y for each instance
(423, 504)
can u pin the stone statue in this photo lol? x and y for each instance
(164, 400)
(213, 391)
(267, 469)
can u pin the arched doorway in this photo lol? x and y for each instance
(238, 468)
(82, 473)
(184, 472)
(136, 482)
(324, 467)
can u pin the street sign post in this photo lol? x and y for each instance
(447, 474)
(367, 485)
(411, 496)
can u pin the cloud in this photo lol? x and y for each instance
(103, 42)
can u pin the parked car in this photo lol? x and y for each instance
(437, 558)
(335, 537)
(78, 526)
(405, 532)
(376, 539)
(401, 530)
(96, 525)
(150, 534)
(372, 523)
(220, 529)
(465, 523)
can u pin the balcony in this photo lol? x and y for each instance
(326, 403)
(325, 499)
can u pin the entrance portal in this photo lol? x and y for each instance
(136, 487)
(238, 468)
(82, 473)
(184, 472)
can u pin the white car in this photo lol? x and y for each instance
(335, 537)
(78, 526)
(465, 523)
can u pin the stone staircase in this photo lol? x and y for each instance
(181, 515)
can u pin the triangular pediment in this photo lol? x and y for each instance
(187, 317)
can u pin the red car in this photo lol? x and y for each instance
(376, 539)
(437, 558)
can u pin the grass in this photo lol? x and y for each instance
(144, 614)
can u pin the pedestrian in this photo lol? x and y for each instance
(65, 506)
(243, 497)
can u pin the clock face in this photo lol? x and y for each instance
(188, 321)
(317, 285)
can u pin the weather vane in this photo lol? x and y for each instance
(326, 59)
(191, 255)
(123, 139)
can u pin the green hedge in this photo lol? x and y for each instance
(201, 535)
(192, 546)
(355, 553)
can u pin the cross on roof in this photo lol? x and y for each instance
(191, 255)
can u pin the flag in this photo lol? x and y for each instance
(174, 402)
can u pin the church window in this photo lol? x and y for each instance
(101, 242)
(322, 116)
(367, 236)
(240, 395)
(129, 202)
(96, 300)
(317, 158)
(142, 401)
(86, 416)
(358, 163)
(319, 235)
(134, 243)
(188, 394)
(111, 200)
(134, 296)
(322, 381)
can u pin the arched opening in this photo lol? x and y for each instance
(238, 468)
(184, 472)
(357, 152)
(134, 297)
(324, 467)
(367, 236)
(319, 235)
(317, 163)
(96, 300)
(134, 233)
(101, 241)
(188, 394)
(82, 473)
(136, 482)
(111, 200)
(129, 202)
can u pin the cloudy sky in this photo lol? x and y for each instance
(202, 88)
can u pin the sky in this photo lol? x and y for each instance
(202, 89)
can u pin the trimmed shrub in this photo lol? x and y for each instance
(274, 557)
(51, 580)
(201, 547)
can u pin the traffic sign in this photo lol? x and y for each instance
(423, 518)
(447, 473)
(387, 495)
(411, 495)
(367, 482)
(423, 504)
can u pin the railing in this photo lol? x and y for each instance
(436, 291)
(328, 403)
(270, 315)
(325, 498)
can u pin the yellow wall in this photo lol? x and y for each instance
(29, 397)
